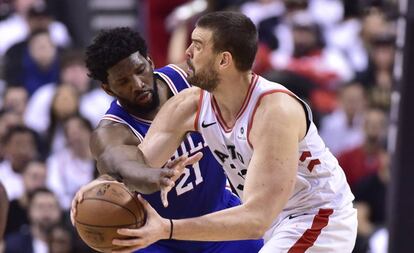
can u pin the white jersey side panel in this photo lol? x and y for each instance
(320, 181)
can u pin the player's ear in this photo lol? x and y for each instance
(150, 61)
(225, 59)
(106, 88)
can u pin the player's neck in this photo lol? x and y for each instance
(231, 93)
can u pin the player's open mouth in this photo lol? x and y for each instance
(190, 67)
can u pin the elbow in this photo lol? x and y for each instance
(105, 162)
(260, 220)
(258, 229)
(258, 226)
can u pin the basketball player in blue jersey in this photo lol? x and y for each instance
(118, 59)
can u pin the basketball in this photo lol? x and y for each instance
(104, 209)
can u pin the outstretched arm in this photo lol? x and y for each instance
(114, 147)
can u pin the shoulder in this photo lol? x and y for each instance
(283, 110)
(280, 104)
(108, 132)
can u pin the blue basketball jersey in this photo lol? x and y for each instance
(201, 188)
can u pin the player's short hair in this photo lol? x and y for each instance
(111, 46)
(232, 32)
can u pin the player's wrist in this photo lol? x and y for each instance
(168, 229)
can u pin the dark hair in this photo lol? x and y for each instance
(37, 32)
(72, 57)
(33, 194)
(85, 122)
(233, 32)
(17, 130)
(111, 46)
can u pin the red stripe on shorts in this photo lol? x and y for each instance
(309, 237)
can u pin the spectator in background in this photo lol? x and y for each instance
(34, 177)
(73, 72)
(60, 240)
(266, 15)
(18, 25)
(38, 64)
(325, 66)
(158, 34)
(72, 166)
(370, 194)
(65, 103)
(343, 128)
(378, 242)
(378, 77)
(8, 119)
(364, 160)
(15, 99)
(345, 36)
(20, 148)
(44, 214)
(4, 207)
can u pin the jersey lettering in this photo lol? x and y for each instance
(188, 182)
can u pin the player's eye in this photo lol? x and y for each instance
(123, 81)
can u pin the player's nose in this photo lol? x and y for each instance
(189, 52)
(138, 83)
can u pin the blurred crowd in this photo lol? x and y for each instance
(338, 55)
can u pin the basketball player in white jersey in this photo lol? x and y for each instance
(293, 190)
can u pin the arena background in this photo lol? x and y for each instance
(352, 60)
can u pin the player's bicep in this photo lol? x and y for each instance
(272, 170)
(169, 127)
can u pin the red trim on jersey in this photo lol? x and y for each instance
(309, 237)
(169, 82)
(246, 100)
(178, 69)
(250, 124)
(197, 117)
(113, 118)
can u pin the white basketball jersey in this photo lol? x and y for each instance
(320, 181)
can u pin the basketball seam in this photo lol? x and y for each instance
(135, 217)
(135, 201)
(101, 226)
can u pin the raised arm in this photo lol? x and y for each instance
(172, 123)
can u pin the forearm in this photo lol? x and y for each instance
(237, 223)
(118, 160)
(127, 164)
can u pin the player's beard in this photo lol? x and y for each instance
(207, 79)
(143, 109)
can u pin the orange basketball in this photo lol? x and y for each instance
(104, 209)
